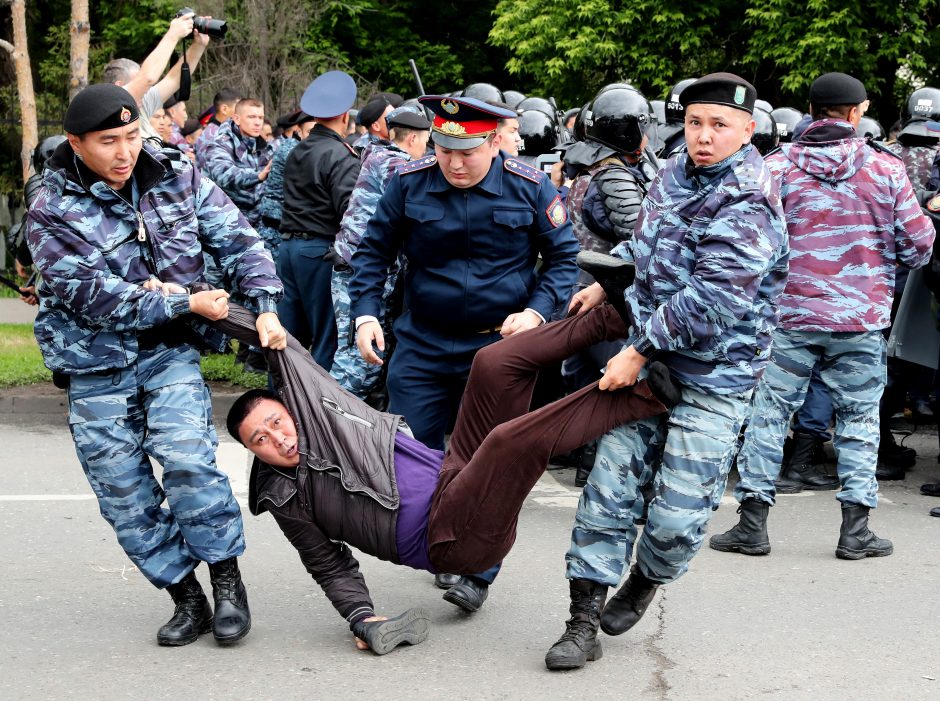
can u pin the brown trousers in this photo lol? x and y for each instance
(498, 451)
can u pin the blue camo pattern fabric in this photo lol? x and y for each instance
(854, 366)
(202, 143)
(918, 162)
(349, 369)
(234, 161)
(711, 259)
(272, 201)
(85, 243)
(159, 407)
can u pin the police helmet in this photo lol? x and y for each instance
(764, 105)
(786, 119)
(675, 112)
(922, 106)
(613, 86)
(659, 110)
(765, 137)
(484, 92)
(579, 132)
(537, 103)
(44, 149)
(868, 127)
(539, 133)
(513, 98)
(618, 118)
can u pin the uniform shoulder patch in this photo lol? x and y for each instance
(556, 212)
(414, 166)
(523, 169)
(933, 204)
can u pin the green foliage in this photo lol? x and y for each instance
(222, 368)
(20, 359)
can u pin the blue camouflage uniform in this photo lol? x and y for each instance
(471, 262)
(349, 369)
(272, 201)
(136, 391)
(711, 257)
(234, 161)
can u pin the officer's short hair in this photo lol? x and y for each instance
(248, 102)
(120, 70)
(243, 406)
(226, 96)
(830, 111)
(397, 133)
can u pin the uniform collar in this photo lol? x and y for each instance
(492, 182)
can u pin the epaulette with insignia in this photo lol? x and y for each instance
(417, 165)
(349, 148)
(524, 170)
(881, 147)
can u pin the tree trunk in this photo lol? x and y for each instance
(24, 84)
(79, 30)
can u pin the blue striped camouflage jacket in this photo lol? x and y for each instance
(711, 258)
(94, 250)
(234, 161)
(376, 171)
(272, 201)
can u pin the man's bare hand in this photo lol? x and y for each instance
(270, 332)
(587, 298)
(21, 269)
(558, 174)
(181, 27)
(263, 175)
(622, 370)
(362, 644)
(519, 322)
(368, 333)
(211, 304)
(28, 295)
(199, 37)
(165, 288)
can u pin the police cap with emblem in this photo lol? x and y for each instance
(98, 107)
(330, 95)
(720, 89)
(462, 122)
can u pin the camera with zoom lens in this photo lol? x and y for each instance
(213, 27)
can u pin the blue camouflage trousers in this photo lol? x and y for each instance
(687, 455)
(353, 373)
(157, 407)
(852, 365)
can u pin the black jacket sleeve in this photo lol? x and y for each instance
(612, 204)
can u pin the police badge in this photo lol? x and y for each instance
(125, 115)
(556, 212)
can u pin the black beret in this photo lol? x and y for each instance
(836, 89)
(412, 117)
(190, 126)
(392, 98)
(171, 102)
(720, 89)
(372, 112)
(98, 107)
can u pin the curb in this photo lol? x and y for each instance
(44, 399)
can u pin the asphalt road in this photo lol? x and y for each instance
(79, 622)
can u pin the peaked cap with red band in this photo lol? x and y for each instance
(462, 122)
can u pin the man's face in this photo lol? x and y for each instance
(267, 132)
(417, 144)
(269, 432)
(714, 132)
(466, 167)
(510, 135)
(379, 127)
(250, 120)
(111, 154)
(162, 124)
(178, 114)
(303, 130)
(191, 138)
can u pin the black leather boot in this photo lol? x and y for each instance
(579, 643)
(614, 274)
(192, 617)
(803, 468)
(627, 606)
(468, 593)
(856, 541)
(749, 535)
(232, 617)
(410, 628)
(443, 580)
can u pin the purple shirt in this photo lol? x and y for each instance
(417, 468)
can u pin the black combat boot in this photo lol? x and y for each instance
(445, 581)
(468, 593)
(232, 617)
(586, 464)
(627, 606)
(803, 468)
(410, 628)
(892, 455)
(749, 536)
(614, 274)
(579, 643)
(856, 541)
(192, 617)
